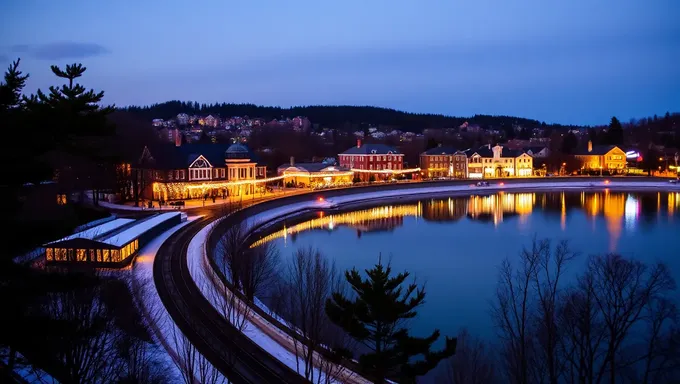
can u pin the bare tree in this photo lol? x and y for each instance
(186, 356)
(580, 348)
(259, 268)
(525, 312)
(661, 357)
(473, 362)
(232, 308)
(308, 281)
(619, 323)
(192, 365)
(141, 362)
(621, 290)
(551, 268)
(231, 251)
(512, 313)
(86, 349)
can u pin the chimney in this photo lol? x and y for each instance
(178, 138)
(358, 143)
(292, 161)
(590, 146)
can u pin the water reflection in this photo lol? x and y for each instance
(619, 210)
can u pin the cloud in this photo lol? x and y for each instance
(61, 50)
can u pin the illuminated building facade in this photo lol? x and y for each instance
(111, 244)
(598, 158)
(315, 175)
(498, 161)
(379, 160)
(199, 170)
(444, 162)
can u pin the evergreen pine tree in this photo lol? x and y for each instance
(377, 318)
(615, 132)
(77, 127)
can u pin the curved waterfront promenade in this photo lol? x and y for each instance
(259, 217)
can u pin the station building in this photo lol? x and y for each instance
(315, 175)
(193, 171)
(111, 244)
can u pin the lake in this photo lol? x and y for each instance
(455, 245)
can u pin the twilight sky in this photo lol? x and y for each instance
(576, 61)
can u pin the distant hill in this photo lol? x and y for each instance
(338, 117)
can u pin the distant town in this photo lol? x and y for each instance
(499, 147)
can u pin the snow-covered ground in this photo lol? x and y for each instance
(164, 329)
(494, 187)
(275, 341)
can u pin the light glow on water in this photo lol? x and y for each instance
(456, 244)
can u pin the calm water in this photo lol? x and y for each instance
(455, 245)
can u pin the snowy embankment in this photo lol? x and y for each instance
(269, 337)
(158, 319)
(332, 202)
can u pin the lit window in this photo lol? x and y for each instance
(61, 199)
(106, 255)
(93, 256)
(49, 254)
(81, 254)
(115, 255)
(99, 255)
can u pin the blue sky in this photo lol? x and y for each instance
(577, 61)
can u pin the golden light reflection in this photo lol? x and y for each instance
(563, 211)
(619, 210)
(364, 220)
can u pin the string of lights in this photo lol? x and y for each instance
(387, 171)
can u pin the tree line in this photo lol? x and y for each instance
(343, 117)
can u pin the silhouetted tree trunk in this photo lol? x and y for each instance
(473, 362)
(258, 270)
(307, 282)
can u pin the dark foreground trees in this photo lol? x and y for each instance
(84, 328)
(617, 323)
(377, 317)
(306, 284)
(250, 270)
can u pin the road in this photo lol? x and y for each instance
(227, 349)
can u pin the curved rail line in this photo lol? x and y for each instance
(225, 347)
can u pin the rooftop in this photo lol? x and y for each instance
(97, 231)
(140, 227)
(372, 149)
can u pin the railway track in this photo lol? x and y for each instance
(228, 350)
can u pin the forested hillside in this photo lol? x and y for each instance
(338, 117)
